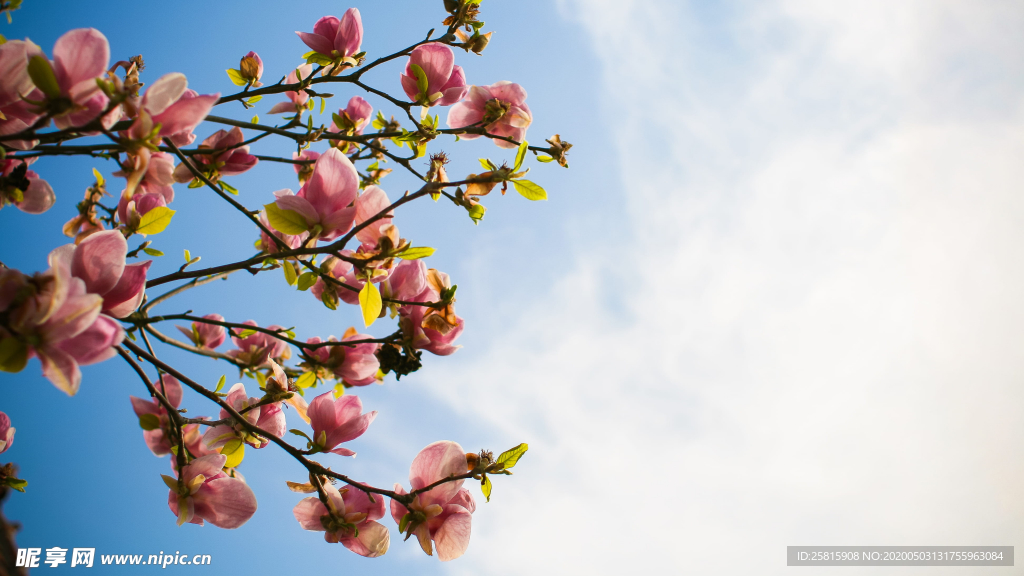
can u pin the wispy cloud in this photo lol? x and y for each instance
(819, 333)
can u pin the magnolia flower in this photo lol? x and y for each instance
(337, 420)
(52, 316)
(351, 520)
(432, 329)
(268, 417)
(156, 432)
(439, 81)
(268, 245)
(257, 348)
(157, 177)
(297, 100)
(66, 87)
(205, 335)
(442, 514)
(171, 110)
(250, 70)
(99, 261)
(352, 119)
(304, 171)
(131, 209)
(408, 280)
(230, 161)
(329, 293)
(355, 365)
(204, 492)
(24, 188)
(336, 39)
(16, 114)
(324, 202)
(500, 108)
(7, 440)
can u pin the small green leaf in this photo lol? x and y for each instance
(289, 273)
(287, 221)
(156, 220)
(545, 159)
(404, 522)
(298, 432)
(416, 252)
(521, 155)
(41, 73)
(255, 119)
(99, 177)
(16, 483)
(171, 482)
(529, 190)
(306, 281)
(235, 451)
(228, 187)
(236, 77)
(149, 421)
(421, 78)
(485, 487)
(246, 333)
(188, 255)
(370, 303)
(196, 183)
(511, 456)
(13, 354)
(323, 105)
(253, 100)
(339, 390)
(476, 212)
(220, 383)
(152, 252)
(487, 165)
(306, 380)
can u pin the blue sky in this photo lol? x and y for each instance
(774, 301)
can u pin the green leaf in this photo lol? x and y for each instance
(298, 432)
(246, 333)
(235, 451)
(236, 77)
(421, 78)
(416, 252)
(529, 190)
(287, 221)
(306, 281)
(545, 159)
(156, 220)
(188, 255)
(521, 155)
(152, 252)
(228, 187)
(41, 73)
(171, 482)
(511, 456)
(99, 177)
(13, 354)
(253, 100)
(196, 183)
(220, 383)
(339, 390)
(485, 487)
(323, 105)
(476, 212)
(149, 421)
(16, 483)
(487, 164)
(289, 273)
(306, 380)
(404, 522)
(370, 303)
(255, 119)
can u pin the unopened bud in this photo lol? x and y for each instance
(479, 42)
(451, 5)
(471, 460)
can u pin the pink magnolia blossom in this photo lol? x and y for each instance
(446, 82)
(337, 420)
(339, 269)
(130, 210)
(177, 110)
(355, 365)
(407, 281)
(297, 101)
(157, 177)
(205, 492)
(371, 202)
(325, 201)
(256, 349)
(500, 108)
(204, 335)
(159, 439)
(24, 188)
(351, 520)
(99, 261)
(268, 417)
(443, 514)
(433, 330)
(304, 171)
(7, 439)
(353, 118)
(251, 68)
(336, 39)
(16, 115)
(57, 320)
(80, 57)
(231, 161)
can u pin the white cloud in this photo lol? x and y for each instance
(820, 341)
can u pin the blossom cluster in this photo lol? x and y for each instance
(335, 237)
